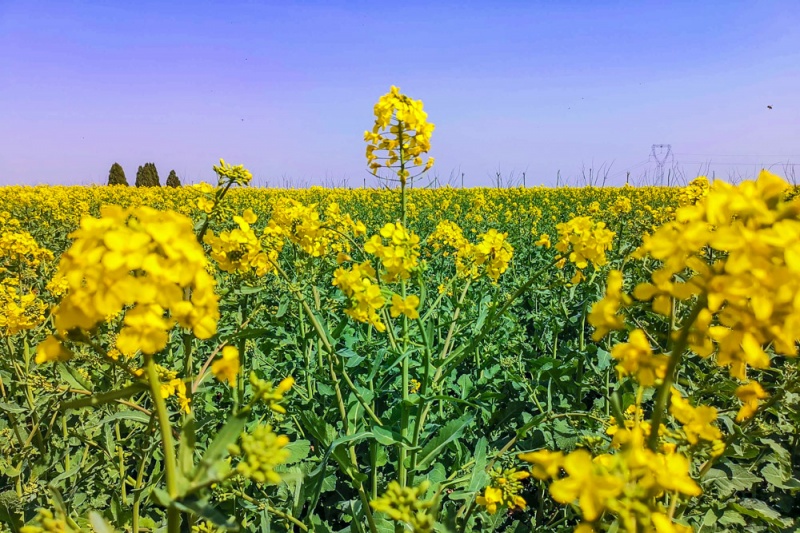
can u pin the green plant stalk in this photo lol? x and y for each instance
(121, 456)
(582, 350)
(137, 493)
(674, 360)
(425, 406)
(454, 358)
(22, 376)
(170, 468)
(404, 407)
(241, 346)
(270, 509)
(306, 350)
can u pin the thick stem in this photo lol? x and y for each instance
(170, 468)
(674, 359)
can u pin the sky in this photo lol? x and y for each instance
(554, 90)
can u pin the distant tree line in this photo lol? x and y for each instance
(146, 176)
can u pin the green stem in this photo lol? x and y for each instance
(674, 360)
(170, 469)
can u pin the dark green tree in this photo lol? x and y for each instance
(172, 179)
(116, 176)
(147, 176)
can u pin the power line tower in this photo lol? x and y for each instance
(661, 153)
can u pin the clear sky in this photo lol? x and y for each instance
(287, 88)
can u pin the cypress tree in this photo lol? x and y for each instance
(116, 176)
(147, 176)
(153, 175)
(172, 179)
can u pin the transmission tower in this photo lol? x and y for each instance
(661, 153)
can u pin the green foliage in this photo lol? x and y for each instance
(173, 180)
(147, 176)
(85, 433)
(116, 176)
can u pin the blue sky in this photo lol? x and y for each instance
(287, 88)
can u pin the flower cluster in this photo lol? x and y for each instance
(491, 255)
(697, 189)
(234, 174)
(629, 484)
(583, 240)
(261, 451)
(48, 522)
(405, 504)
(748, 290)
(20, 254)
(170, 385)
(226, 368)
(142, 261)
(402, 131)
(604, 315)
(302, 225)
(19, 310)
(358, 283)
(264, 391)
(503, 491)
(239, 250)
(399, 255)
(622, 206)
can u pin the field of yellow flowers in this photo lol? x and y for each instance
(220, 357)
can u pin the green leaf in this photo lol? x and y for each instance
(96, 400)
(479, 477)
(389, 438)
(13, 409)
(773, 474)
(445, 436)
(298, 450)
(99, 524)
(758, 509)
(186, 447)
(730, 478)
(135, 416)
(73, 377)
(218, 448)
(203, 509)
(731, 517)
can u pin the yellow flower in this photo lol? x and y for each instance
(586, 482)
(492, 497)
(749, 394)
(405, 504)
(407, 306)
(546, 464)
(636, 358)
(696, 420)
(402, 132)
(585, 241)
(51, 350)
(504, 490)
(227, 366)
(144, 261)
(604, 315)
(261, 451)
(544, 240)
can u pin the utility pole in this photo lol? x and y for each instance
(661, 153)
